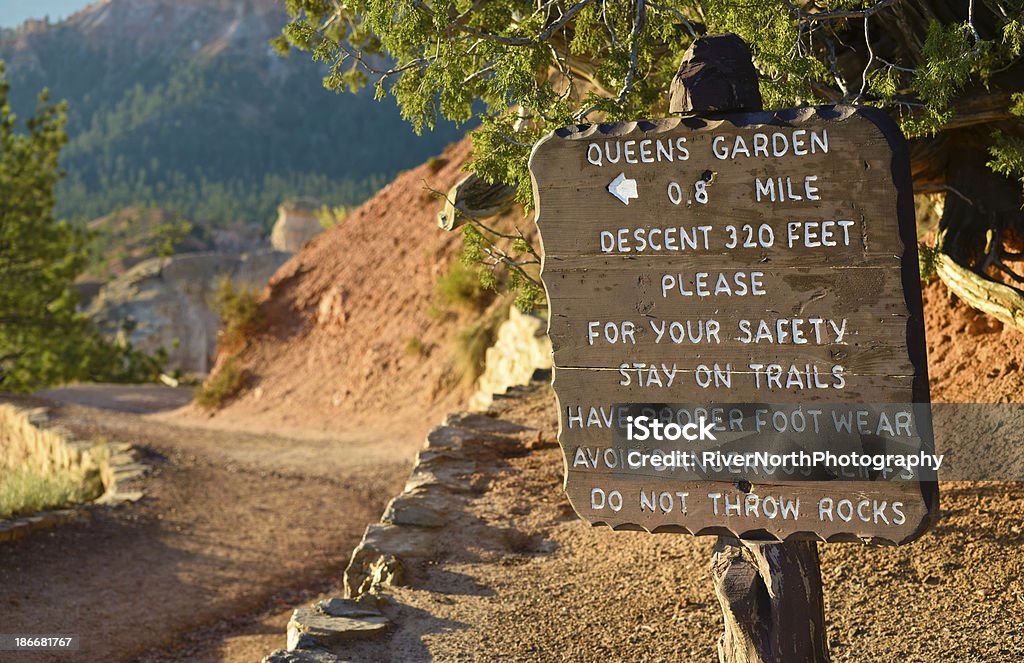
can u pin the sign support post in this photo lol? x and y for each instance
(737, 337)
(770, 593)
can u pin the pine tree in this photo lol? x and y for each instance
(44, 340)
(949, 71)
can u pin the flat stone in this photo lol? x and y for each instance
(404, 542)
(431, 459)
(419, 509)
(309, 628)
(301, 656)
(434, 472)
(448, 438)
(335, 607)
(481, 423)
(113, 498)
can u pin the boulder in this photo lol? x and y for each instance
(166, 302)
(521, 348)
(297, 222)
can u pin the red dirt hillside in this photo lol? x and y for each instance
(347, 334)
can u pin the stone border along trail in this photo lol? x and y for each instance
(458, 463)
(124, 468)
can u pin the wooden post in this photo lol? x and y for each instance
(770, 593)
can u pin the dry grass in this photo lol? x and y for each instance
(473, 341)
(23, 491)
(39, 470)
(460, 287)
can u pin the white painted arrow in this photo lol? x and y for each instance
(623, 188)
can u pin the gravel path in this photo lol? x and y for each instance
(519, 577)
(234, 528)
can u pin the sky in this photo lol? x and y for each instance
(15, 12)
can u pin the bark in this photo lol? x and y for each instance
(771, 597)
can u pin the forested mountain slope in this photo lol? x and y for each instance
(183, 104)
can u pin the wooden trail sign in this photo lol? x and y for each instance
(732, 258)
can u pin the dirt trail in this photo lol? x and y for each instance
(233, 526)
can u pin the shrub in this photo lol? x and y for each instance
(472, 342)
(927, 262)
(331, 216)
(221, 386)
(239, 310)
(415, 346)
(461, 287)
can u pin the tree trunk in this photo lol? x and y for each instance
(771, 597)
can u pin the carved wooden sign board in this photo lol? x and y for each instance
(732, 259)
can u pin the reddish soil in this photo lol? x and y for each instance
(340, 316)
(519, 576)
(972, 358)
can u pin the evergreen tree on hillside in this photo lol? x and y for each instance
(950, 71)
(43, 339)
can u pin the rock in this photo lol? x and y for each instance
(361, 607)
(297, 223)
(437, 471)
(386, 571)
(87, 288)
(480, 425)
(447, 437)
(422, 508)
(167, 302)
(521, 348)
(256, 268)
(238, 239)
(310, 628)
(372, 570)
(301, 656)
(379, 559)
(332, 312)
